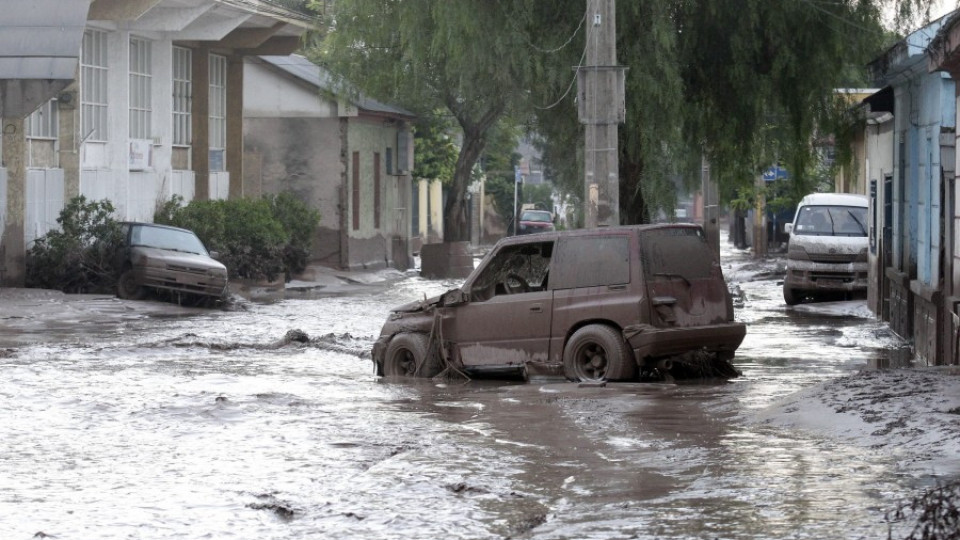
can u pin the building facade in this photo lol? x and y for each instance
(154, 110)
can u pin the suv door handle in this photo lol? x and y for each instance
(536, 308)
(617, 287)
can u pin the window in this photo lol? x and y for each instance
(355, 207)
(592, 261)
(42, 123)
(514, 269)
(93, 79)
(376, 190)
(141, 98)
(218, 111)
(182, 96)
(389, 159)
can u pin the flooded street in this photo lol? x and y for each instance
(209, 426)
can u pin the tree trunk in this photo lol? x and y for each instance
(455, 226)
(633, 211)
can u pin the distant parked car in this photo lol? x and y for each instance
(618, 303)
(535, 221)
(167, 258)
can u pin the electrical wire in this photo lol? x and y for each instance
(569, 87)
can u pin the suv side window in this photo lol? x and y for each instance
(514, 269)
(591, 261)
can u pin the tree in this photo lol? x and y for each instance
(745, 81)
(436, 154)
(465, 57)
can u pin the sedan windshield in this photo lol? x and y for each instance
(164, 238)
(536, 216)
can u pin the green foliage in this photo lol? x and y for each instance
(468, 58)
(497, 163)
(748, 82)
(300, 222)
(436, 152)
(83, 255)
(539, 194)
(256, 238)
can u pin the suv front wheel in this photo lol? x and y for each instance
(408, 355)
(597, 353)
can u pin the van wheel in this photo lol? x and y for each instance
(790, 296)
(127, 287)
(408, 355)
(598, 353)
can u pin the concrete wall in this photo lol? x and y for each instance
(370, 246)
(302, 156)
(878, 164)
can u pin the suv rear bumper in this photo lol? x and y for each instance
(652, 342)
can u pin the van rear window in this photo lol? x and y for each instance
(680, 251)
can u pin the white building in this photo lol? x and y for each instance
(154, 109)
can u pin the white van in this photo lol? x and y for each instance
(827, 251)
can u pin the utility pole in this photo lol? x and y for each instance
(711, 204)
(600, 100)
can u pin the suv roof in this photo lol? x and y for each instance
(553, 235)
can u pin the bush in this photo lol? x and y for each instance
(83, 256)
(300, 222)
(256, 238)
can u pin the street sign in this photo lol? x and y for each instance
(775, 173)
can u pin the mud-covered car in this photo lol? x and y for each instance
(827, 251)
(167, 258)
(620, 303)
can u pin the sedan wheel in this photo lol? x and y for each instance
(128, 288)
(597, 353)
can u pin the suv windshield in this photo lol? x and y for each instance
(164, 238)
(832, 221)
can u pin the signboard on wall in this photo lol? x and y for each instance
(140, 154)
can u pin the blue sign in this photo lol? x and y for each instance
(517, 177)
(775, 173)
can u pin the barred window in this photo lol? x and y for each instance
(182, 96)
(93, 90)
(140, 89)
(42, 123)
(218, 112)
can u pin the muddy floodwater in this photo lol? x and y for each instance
(203, 426)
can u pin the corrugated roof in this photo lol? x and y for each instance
(307, 71)
(41, 38)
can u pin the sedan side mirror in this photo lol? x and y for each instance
(215, 255)
(788, 228)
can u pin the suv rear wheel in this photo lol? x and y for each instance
(408, 355)
(597, 353)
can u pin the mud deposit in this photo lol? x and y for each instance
(214, 425)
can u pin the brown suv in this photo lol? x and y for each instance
(591, 304)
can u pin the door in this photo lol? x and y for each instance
(506, 323)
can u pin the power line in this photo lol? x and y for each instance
(570, 86)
